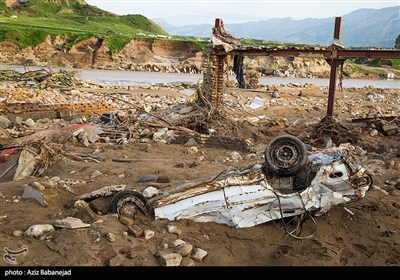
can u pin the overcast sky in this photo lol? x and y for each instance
(185, 12)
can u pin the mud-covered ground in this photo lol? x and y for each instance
(369, 237)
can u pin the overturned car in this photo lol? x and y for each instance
(290, 182)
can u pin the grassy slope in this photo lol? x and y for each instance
(74, 22)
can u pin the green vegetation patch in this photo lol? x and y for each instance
(116, 43)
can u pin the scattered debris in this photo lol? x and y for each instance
(150, 192)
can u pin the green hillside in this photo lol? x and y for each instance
(29, 22)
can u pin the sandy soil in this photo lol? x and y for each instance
(370, 237)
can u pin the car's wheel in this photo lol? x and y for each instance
(128, 203)
(285, 155)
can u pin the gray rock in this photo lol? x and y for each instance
(38, 230)
(171, 259)
(71, 223)
(184, 249)
(32, 193)
(150, 192)
(4, 122)
(199, 254)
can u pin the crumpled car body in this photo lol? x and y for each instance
(254, 195)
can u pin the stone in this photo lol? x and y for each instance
(126, 221)
(95, 174)
(191, 143)
(275, 94)
(199, 254)
(53, 181)
(174, 230)
(80, 204)
(178, 242)
(110, 237)
(18, 121)
(4, 122)
(392, 164)
(100, 204)
(184, 249)
(373, 133)
(200, 158)
(18, 233)
(192, 150)
(86, 215)
(135, 230)
(187, 262)
(235, 156)
(38, 230)
(148, 234)
(131, 254)
(150, 192)
(171, 259)
(32, 193)
(29, 122)
(71, 223)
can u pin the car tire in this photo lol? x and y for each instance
(129, 198)
(285, 155)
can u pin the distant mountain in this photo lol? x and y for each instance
(360, 28)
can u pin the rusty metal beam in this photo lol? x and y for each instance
(334, 63)
(368, 53)
(342, 54)
(338, 28)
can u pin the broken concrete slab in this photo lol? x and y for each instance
(184, 249)
(32, 193)
(39, 230)
(71, 223)
(104, 191)
(26, 165)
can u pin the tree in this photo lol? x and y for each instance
(397, 43)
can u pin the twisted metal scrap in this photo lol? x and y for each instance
(329, 127)
(45, 154)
